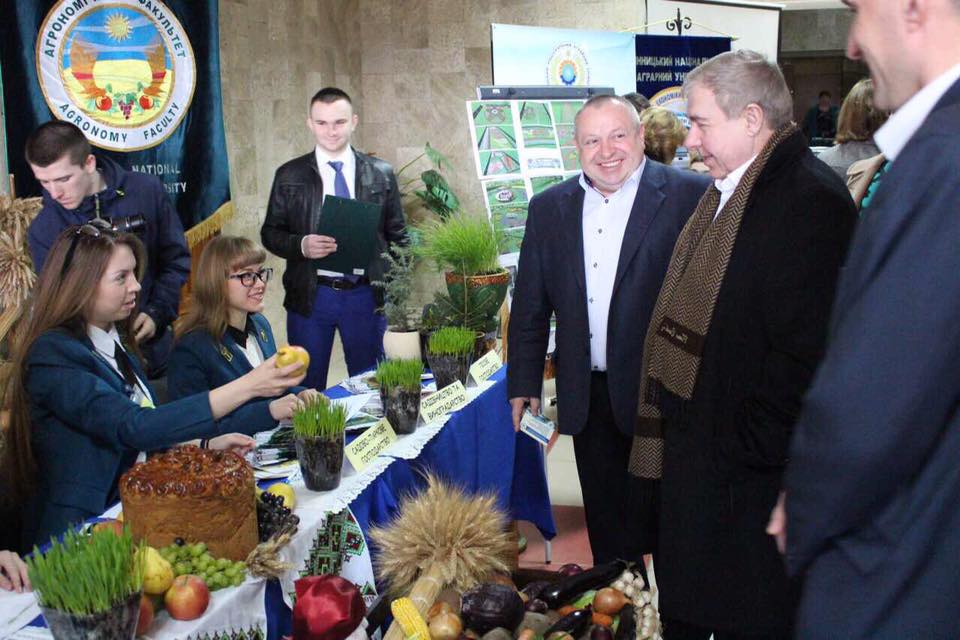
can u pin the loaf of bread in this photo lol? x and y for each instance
(195, 494)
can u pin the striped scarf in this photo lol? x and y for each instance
(681, 318)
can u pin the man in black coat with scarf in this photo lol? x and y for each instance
(736, 334)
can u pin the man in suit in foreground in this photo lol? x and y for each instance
(594, 254)
(873, 485)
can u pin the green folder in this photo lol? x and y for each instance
(354, 226)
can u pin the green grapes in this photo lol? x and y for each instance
(195, 559)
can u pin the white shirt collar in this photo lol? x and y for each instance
(345, 156)
(632, 179)
(728, 183)
(104, 341)
(893, 136)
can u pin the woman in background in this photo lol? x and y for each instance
(663, 132)
(859, 119)
(80, 405)
(224, 334)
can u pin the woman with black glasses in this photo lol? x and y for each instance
(224, 335)
(80, 405)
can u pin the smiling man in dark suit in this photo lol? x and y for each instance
(594, 254)
(873, 487)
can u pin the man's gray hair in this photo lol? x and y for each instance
(744, 77)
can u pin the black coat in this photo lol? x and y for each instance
(726, 448)
(551, 280)
(294, 211)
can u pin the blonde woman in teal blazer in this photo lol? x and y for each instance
(223, 335)
(81, 408)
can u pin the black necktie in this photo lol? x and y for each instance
(125, 366)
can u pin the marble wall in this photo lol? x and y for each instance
(408, 64)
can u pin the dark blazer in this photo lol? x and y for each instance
(873, 487)
(294, 211)
(726, 448)
(550, 280)
(200, 363)
(86, 431)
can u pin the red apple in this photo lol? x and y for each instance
(146, 614)
(104, 103)
(187, 598)
(146, 102)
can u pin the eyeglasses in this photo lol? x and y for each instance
(249, 278)
(93, 229)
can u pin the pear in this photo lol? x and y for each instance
(157, 572)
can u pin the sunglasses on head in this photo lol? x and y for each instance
(249, 278)
(92, 229)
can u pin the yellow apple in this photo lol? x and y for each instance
(290, 354)
(285, 491)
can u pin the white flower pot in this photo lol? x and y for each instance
(401, 345)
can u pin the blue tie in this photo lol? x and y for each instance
(340, 188)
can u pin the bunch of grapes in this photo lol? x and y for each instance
(273, 518)
(126, 108)
(194, 559)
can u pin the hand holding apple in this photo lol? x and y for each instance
(270, 380)
(289, 354)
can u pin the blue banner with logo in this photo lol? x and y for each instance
(663, 63)
(141, 78)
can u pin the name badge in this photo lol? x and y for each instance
(537, 427)
(374, 441)
(486, 366)
(436, 405)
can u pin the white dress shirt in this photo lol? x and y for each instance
(251, 349)
(894, 135)
(727, 185)
(604, 224)
(328, 176)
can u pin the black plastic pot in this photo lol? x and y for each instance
(118, 623)
(402, 408)
(321, 462)
(448, 369)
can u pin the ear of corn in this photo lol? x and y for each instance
(411, 622)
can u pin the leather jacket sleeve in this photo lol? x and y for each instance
(276, 233)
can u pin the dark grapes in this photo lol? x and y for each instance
(273, 518)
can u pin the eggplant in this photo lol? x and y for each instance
(536, 605)
(627, 629)
(570, 587)
(534, 588)
(574, 623)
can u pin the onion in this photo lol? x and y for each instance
(601, 633)
(570, 569)
(609, 601)
(445, 626)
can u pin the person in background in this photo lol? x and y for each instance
(859, 119)
(611, 231)
(13, 573)
(320, 302)
(80, 406)
(639, 101)
(820, 123)
(77, 187)
(734, 339)
(663, 132)
(224, 335)
(872, 502)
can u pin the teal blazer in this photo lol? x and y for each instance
(200, 363)
(86, 431)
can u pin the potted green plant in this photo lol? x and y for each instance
(318, 427)
(401, 340)
(466, 249)
(399, 382)
(429, 190)
(450, 353)
(89, 586)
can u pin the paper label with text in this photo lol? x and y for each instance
(450, 398)
(486, 366)
(374, 441)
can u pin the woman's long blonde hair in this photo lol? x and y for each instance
(209, 308)
(62, 300)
